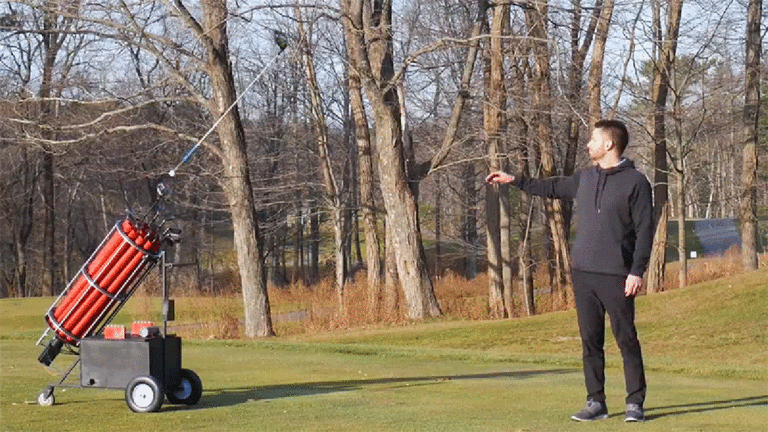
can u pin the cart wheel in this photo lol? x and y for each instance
(46, 398)
(188, 391)
(144, 394)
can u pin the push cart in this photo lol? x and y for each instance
(147, 365)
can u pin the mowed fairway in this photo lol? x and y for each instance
(707, 371)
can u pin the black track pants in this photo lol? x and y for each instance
(595, 295)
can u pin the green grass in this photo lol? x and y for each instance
(705, 349)
(714, 328)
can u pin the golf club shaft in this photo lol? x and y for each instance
(191, 151)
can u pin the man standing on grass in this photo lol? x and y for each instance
(614, 235)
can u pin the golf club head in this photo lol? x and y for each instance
(281, 40)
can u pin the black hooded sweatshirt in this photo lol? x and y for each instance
(614, 216)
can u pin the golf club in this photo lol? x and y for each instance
(282, 43)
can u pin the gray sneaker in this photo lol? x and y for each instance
(634, 413)
(594, 410)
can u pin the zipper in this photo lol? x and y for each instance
(599, 190)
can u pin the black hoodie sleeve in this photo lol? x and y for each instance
(641, 202)
(553, 187)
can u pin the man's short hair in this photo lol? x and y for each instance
(617, 130)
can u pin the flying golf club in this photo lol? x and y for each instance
(282, 42)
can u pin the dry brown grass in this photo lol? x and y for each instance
(460, 299)
(309, 309)
(708, 268)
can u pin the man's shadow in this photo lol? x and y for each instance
(699, 407)
(233, 396)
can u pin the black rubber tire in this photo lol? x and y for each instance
(188, 391)
(46, 398)
(144, 394)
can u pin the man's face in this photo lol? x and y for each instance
(598, 145)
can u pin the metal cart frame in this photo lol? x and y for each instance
(147, 367)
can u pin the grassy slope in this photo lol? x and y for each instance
(714, 328)
(705, 347)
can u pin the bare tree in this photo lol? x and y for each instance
(580, 46)
(451, 132)
(329, 181)
(367, 189)
(580, 42)
(370, 27)
(665, 49)
(19, 179)
(543, 102)
(212, 34)
(35, 45)
(598, 54)
(496, 207)
(689, 72)
(748, 208)
(521, 74)
(57, 17)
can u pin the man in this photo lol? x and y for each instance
(614, 235)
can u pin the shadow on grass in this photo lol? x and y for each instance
(675, 410)
(234, 396)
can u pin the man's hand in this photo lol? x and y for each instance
(633, 285)
(499, 177)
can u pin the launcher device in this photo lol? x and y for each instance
(145, 363)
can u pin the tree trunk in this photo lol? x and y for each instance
(481, 22)
(371, 47)
(314, 241)
(579, 51)
(438, 226)
(665, 50)
(353, 188)
(683, 251)
(329, 181)
(494, 123)
(391, 294)
(525, 218)
(367, 189)
(748, 203)
(48, 193)
(576, 77)
(236, 180)
(298, 261)
(406, 234)
(20, 272)
(596, 68)
(657, 262)
(68, 225)
(507, 266)
(680, 168)
(493, 249)
(28, 178)
(469, 223)
(52, 41)
(526, 258)
(542, 101)
(521, 74)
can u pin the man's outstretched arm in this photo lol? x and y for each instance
(553, 187)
